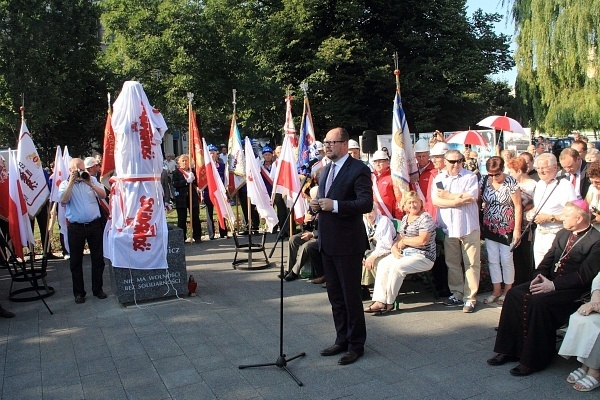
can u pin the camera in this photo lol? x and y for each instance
(83, 174)
(594, 210)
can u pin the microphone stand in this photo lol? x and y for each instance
(528, 227)
(282, 360)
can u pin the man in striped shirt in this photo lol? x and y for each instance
(456, 197)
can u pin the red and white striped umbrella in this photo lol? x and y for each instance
(473, 138)
(503, 123)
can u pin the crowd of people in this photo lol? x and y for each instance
(537, 216)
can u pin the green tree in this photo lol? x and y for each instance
(343, 50)
(48, 53)
(557, 61)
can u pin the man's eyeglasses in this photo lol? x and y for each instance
(455, 161)
(332, 142)
(494, 175)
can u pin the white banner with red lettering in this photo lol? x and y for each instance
(139, 129)
(34, 185)
(136, 233)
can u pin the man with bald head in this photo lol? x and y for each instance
(80, 194)
(345, 194)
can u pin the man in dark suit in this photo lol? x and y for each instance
(576, 171)
(345, 193)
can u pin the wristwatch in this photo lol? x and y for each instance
(552, 219)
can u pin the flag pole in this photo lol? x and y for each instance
(397, 71)
(190, 97)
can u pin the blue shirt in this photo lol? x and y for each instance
(83, 206)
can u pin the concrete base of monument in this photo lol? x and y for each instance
(135, 286)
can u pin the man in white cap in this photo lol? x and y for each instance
(383, 187)
(424, 164)
(354, 149)
(436, 155)
(440, 269)
(92, 166)
(319, 152)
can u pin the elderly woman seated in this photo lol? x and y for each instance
(412, 252)
(583, 340)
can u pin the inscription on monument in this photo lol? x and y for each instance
(139, 285)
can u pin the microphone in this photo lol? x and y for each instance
(312, 162)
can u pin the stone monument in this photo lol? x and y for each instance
(142, 285)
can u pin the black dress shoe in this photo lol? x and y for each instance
(5, 313)
(521, 370)
(100, 294)
(333, 350)
(350, 357)
(501, 359)
(291, 276)
(79, 299)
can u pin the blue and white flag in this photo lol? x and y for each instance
(307, 136)
(403, 163)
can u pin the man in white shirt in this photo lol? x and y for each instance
(456, 199)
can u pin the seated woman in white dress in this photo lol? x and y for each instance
(412, 252)
(583, 340)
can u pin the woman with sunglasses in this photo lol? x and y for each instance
(502, 215)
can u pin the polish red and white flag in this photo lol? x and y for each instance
(19, 224)
(287, 181)
(216, 191)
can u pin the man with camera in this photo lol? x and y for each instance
(80, 194)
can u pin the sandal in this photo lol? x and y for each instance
(371, 309)
(490, 299)
(586, 384)
(500, 300)
(576, 375)
(387, 309)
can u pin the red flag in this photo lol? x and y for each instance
(108, 156)
(3, 189)
(287, 181)
(197, 150)
(216, 191)
(19, 225)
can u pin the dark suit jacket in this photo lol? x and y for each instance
(584, 182)
(343, 233)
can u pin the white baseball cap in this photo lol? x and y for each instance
(421, 146)
(439, 149)
(353, 144)
(90, 162)
(318, 145)
(380, 155)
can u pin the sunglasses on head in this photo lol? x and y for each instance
(455, 161)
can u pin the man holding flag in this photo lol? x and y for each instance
(205, 196)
